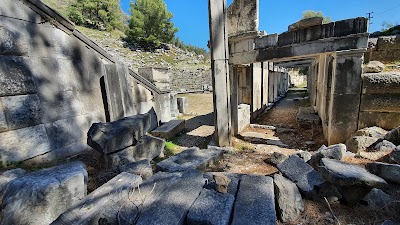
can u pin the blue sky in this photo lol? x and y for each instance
(191, 16)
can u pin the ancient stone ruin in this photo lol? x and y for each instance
(62, 95)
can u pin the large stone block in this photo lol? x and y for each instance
(388, 43)
(172, 206)
(59, 105)
(255, 202)
(114, 136)
(169, 129)
(389, 172)
(211, 208)
(141, 168)
(242, 17)
(3, 121)
(385, 120)
(21, 111)
(22, 144)
(12, 42)
(40, 197)
(243, 117)
(380, 102)
(159, 75)
(16, 76)
(92, 101)
(7, 176)
(381, 83)
(290, 204)
(13, 9)
(192, 158)
(183, 105)
(148, 148)
(96, 207)
(303, 175)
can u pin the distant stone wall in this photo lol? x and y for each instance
(380, 101)
(51, 88)
(383, 49)
(181, 81)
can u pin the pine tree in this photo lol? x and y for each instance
(150, 23)
(97, 14)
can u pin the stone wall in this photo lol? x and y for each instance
(182, 81)
(380, 101)
(52, 88)
(384, 49)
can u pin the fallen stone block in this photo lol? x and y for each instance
(303, 175)
(40, 197)
(332, 152)
(307, 118)
(375, 132)
(192, 158)
(389, 172)
(148, 148)
(393, 136)
(169, 129)
(7, 176)
(173, 205)
(304, 155)
(211, 208)
(108, 138)
(304, 23)
(346, 174)
(141, 168)
(290, 204)
(261, 138)
(377, 199)
(374, 67)
(395, 155)
(255, 202)
(276, 158)
(382, 146)
(222, 182)
(358, 144)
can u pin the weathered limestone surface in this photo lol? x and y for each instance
(374, 67)
(141, 168)
(302, 174)
(375, 132)
(289, 201)
(222, 182)
(358, 144)
(7, 176)
(393, 136)
(305, 23)
(172, 206)
(192, 158)
(12, 43)
(91, 209)
(307, 118)
(337, 152)
(377, 198)
(255, 202)
(242, 17)
(243, 117)
(211, 208)
(169, 129)
(389, 172)
(183, 105)
(40, 197)
(111, 137)
(148, 148)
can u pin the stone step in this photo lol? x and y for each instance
(255, 202)
(169, 129)
(172, 206)
(192, 158)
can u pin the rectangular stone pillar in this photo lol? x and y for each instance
(345, 96)
(256, 90)
(220, 71)
(271, 83)
(234, 98)
(276, 84)
(162, 106)
(265, 84)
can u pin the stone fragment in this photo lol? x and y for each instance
(192, 158)
(374, 67)
(173, 205)
(290, 204)
(306, 156)
(114, 136)
(169, 129)
(346, 174)
(303, 175)
(95, 207)
(389, 172)
(276, 158)
(211, 208)
(304, 23)
(332, 152)
(377, 199)
(375, 132)
(183, 105)
(393, 136)
(358, 144)
(255, 201)
(219, 186)
(307, 118)
(148, 148)
(40, 197)
(261, 138)
(395, 155)
(7, 176)
(382, 146)
(141, 168)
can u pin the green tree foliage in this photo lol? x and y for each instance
(97, 14)
(150, 23)
(310, 13)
